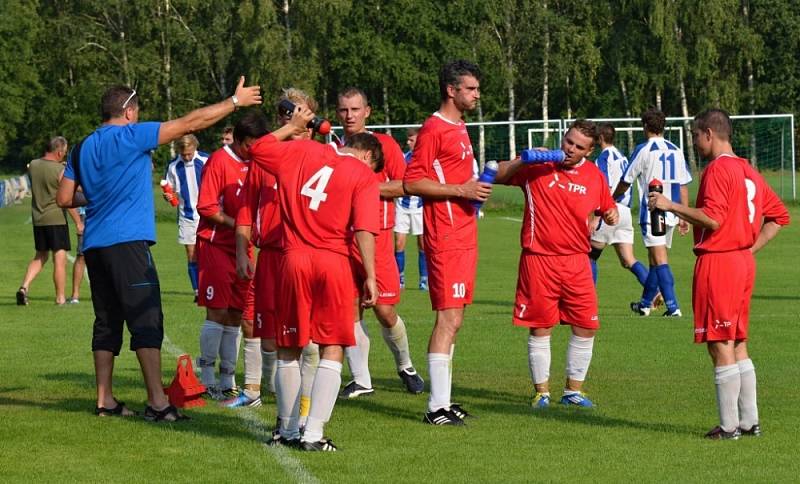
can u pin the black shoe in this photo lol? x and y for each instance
(22, 297)
(354, 390)
(718, 434)
(754, 431)
(443, 416)
(324, 445)
(413, 382)
(278, 440)
(460, 412)
(168, 414)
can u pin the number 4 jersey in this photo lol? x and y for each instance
(735, 195)
(324, 194)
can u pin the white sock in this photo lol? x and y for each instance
(210, 337)
(228, 354)
(252, 363)
(728, 384)
(539, 358)
(323, 398)
(268, 368)
(309, 371)
(358, 356)
(287, 386)
(397, 340)
(748, 408)
(579, 356)
(450, 372)
(439, 372)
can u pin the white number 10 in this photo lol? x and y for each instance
(317, 193)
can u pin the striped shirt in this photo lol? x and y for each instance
(409, 203)
(184, 176)
(613, 164)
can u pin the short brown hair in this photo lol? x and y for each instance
(586, 128)
(412, 131)
(607, 133)
(185, 141)
(717, 120)
(350, 92)
(367, 142)
(113, 99)
(654, 120)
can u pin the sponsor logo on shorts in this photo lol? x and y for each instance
(288, 330)
(387, 294)
(699, 330)
(594, 318)
(721, 324)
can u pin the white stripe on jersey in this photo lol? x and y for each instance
(616, 163)
(437, 167)
(184, 176)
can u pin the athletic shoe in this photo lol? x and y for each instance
(460, 412)
(442, 416)
(639, 309)
(578, 399)
(22, 297)
(754, 431)
(230, 393)
(673, 314)
(73, 300)
(413, 382)
(423, 284)
(213, 393)
(540, 400)
(354, 390)
(718, 434)
(324, 445)
(278, 440)
(402, 281)
(242, 401)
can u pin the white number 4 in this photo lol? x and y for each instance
(317, 193)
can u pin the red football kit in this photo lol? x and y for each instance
(261, 199)
(555, 278)
(220, 190)
(735, 195)
(324, 194)
(443, 153)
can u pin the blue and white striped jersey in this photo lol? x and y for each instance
(409, 202)
(658, 158)
(184, 176)
(613, 164)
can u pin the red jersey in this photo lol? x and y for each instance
(735, 195)
(261, 199)
(221, 190)
(323, 193)
(558, 203)
(443, 153)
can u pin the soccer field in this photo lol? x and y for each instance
(653, 388)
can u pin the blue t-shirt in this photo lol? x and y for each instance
(116, 176)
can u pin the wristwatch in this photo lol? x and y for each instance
(235, 101)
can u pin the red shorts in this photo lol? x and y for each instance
(387, 275)
(451, 277)
(316, 299)
(553, 289)
(721, 291)
(218, 284)
(266, 287)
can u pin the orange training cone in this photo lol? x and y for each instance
(185, 390)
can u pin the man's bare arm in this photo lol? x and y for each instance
(768, 231)
(507, 169)
(471, 190)
(392, 189)
(622, 187)
(693, 215)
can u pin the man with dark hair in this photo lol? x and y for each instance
(657, 159)
(114, 168)
(353, 110)
(227, 135)
(441, 172)
(327, 197)
(735, 215)
(555, 278)
(222, 292)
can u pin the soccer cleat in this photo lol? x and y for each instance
(413, 382)
(754, 431)
(213, 393)
(577, 399)
(73, 300)
(22, 297)
(639, 309)
(443, 416)
(354, 390)
(718, 434)
(460, 412)
(242, 401)
(230, 393)
(673, 314)
(324, 445)
(423, 284)
(278, 440)
(540, 400)
(402, 281)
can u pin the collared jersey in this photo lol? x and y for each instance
(324, 194)
(558, 204)
(735, 195)
(184, 176)
(261, 200)
(613, 164)
(221, 191)
(410, 203)
(443, 153)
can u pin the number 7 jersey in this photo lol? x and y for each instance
(324, 194)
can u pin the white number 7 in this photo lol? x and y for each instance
(317, 193)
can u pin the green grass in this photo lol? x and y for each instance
(653, 387)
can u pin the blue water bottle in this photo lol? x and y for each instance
(488, 175)
(530, 157)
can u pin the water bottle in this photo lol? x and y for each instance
(167, 189)
(535, 156)
(658, 220)
(489, 172)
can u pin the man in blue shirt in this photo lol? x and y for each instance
(114, 168)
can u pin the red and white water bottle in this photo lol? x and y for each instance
(658, 219)
(167, 189)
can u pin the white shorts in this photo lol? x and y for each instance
(651, 240)
(622, 233)
(408, 221)
(187, 231)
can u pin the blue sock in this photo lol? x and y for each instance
(666, 282)
(593, 263)
(640, 272)
(423, 265)
(400, 257)
(192, 266)
(650, 288)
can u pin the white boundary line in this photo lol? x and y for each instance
(512, 219)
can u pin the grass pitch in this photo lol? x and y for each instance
(653, 388)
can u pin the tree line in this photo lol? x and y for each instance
(540, 59)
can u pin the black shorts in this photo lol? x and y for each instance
(125, 287)
(79, 244)
(51, 237)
